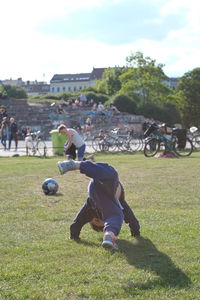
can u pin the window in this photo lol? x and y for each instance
(69, 88)
(58, 89)
(74, 88)
(63, 88)
(52, 89)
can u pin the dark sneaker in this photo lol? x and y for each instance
(109, 241)
(65, 166)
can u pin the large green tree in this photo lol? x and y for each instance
(188, 98)
(110, 83)
(145, 78)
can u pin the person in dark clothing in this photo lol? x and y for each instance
(13, 133)
(105, 202)
(88, 214)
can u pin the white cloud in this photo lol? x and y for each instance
(27, 53)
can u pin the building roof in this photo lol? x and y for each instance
(70, 77)
(95, 74)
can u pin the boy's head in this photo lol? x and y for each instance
(62, 128)
(97, 224)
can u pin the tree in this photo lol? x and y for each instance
(145, 78)
(110, 83)
(188, 98)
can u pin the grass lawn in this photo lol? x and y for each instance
(39, 261)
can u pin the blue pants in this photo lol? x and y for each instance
(11, 137)
(81, 152)
(3, 140)
(102, 192)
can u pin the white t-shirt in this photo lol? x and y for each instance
(76, 138)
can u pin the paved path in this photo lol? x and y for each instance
(22, 149)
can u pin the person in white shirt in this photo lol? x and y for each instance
(73, 137)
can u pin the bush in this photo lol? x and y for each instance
(166, 112)
(97, 97)
(124, 103)
(15, 91)
(3, 93)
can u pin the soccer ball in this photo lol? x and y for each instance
(50, 186)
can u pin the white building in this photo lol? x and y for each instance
(74, 82)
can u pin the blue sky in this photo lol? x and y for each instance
(41, 38)
(114, 23)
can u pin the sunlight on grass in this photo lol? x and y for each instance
(39, 261)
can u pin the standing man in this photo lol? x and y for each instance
(83, 99)
(13, 133)
(73, 139)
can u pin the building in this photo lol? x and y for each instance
(12, 82)
(74, 82)
(172, 82)
(36, 88)
(33, 88)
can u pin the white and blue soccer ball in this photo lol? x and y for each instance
(50, 186)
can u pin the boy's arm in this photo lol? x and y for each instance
(84, 216)
(129, 216)
(69, 140)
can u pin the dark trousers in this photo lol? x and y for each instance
(102, 191)
(13, 136)
(71, 152)
(3, 140)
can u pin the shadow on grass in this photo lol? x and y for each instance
(144, 255)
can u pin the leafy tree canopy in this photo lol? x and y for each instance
(144, 78)
(110, 83)
(188, 98)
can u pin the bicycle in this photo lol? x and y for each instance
(116, 140)
(195, 137)
(35, 144)
(104, 142)
(178, 143)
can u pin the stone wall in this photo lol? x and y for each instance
(43, 117)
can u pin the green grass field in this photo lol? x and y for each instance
(39, 261)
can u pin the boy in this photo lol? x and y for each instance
(105, 202)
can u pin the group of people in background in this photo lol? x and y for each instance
(8, 132)
(83, 102)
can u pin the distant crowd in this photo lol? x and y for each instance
(83, 102)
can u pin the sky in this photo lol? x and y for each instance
(40, 38)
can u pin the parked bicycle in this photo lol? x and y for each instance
(35, 144)
(104, 142)
(195, 137)
(116, 140)
(177, 142)
(126, 140)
